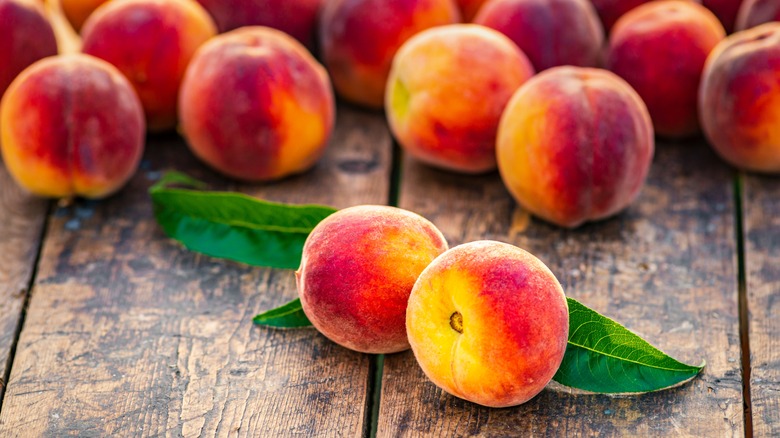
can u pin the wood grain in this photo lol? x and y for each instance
(666, 268)
(762, 262)
(21, 222)
(128, 334)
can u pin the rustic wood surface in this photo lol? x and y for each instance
(762, 261)
(128, 334)
(21, 222)
(666, 268)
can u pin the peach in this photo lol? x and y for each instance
(470, 8)
(659, 49)
(71, 126)
(151, 42)
(359, 38)
(77, 11)
(575, 144)
(357, 271)
(25, 37)
(725, 10)
(755, 12)
(295, 17)
(489, 323)
(447, 90)
(549, 32)
(255, 105)
(740, 98)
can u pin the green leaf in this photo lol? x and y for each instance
(604, 357)
(288, 316)
(233, 225)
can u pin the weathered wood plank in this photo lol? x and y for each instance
(762, 262)
(666, 269)
(21, 222)
(129, 334)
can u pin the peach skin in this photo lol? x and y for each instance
(151, 42)
(359, 38)
(71, 126)
(549, 32)
(489, 323)
(447, 90)
(740, 99)
(25, 37)
(357, 271)
(659, 49)
(255, 105)
(574, 145)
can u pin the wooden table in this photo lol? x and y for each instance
(109, 328)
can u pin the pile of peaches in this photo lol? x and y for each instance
(520, 89)
(563, 97)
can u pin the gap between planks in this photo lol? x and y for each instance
(25, 302)
(744, 332)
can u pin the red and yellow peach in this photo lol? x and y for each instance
(447, 90)
(151, 43)
(549, 32)
(25, 37)
(71, 126)
(255, 105)
(574, 145)
(659, 49)
(489, 323)
(359, 38)
(357, 270)
(294, 17)
(740, 99)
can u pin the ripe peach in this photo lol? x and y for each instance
(71, 126)
(470, 8)
(549, 32)
(255, 105)
(575, 144)
(489, 323)
(295, 17)
(151, 42)
(357, 271)
(725, 10)
(659, 49)
(755, 12)
(77, 11)
(358, 39)
(740, 98)
(25, 37)
(447, 90)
